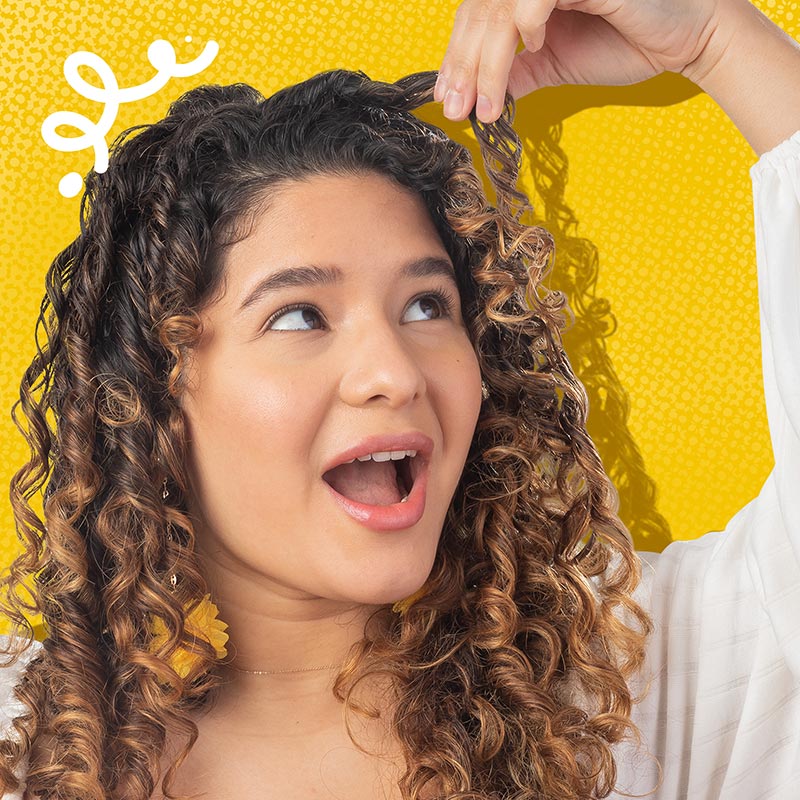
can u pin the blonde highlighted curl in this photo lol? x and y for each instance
(511, 670)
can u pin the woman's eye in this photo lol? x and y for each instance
(442, 304)
(433, 305)
(293, 318)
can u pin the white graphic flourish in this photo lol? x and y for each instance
(161, 55)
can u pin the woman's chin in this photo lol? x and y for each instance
(388, 593)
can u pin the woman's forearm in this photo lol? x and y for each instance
(751, 68)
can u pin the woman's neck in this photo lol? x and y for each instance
(276, 628)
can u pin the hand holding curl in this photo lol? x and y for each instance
(605, 42)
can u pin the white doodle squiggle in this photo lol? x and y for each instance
(161, 55)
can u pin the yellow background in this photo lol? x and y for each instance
(657, 177)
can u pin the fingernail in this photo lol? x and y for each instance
(453, 104)
(484, 107)
(440, 89)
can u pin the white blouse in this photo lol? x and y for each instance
(723, 712)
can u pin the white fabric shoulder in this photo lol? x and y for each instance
(11, 707)
(723, 711)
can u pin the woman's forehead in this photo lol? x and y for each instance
(359, 224)
(371, 191)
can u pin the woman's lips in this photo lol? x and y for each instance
(395, 517)
(413, 440)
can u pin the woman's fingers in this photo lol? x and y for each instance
(497, 54)
(481, 52)
(442, 83)
(462, 58)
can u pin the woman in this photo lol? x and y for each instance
(270, 303)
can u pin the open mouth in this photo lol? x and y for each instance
(376, 483)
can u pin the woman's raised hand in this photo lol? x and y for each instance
(601, 42)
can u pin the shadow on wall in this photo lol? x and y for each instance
(539, 121)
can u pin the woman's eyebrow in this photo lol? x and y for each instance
(314, 275)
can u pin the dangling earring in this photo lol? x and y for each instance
(484, 390)
(173, 578)
(203, 621)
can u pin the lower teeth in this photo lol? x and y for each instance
(404, 499)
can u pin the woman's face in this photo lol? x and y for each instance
(287, 381)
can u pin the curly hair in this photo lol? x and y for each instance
(512, 669)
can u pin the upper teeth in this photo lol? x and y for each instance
(385, 455)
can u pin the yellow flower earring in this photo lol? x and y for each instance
(202, 622)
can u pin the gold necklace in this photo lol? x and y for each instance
(282, 671)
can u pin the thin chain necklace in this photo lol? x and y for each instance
(281, 671)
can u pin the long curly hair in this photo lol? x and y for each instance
(512, 669)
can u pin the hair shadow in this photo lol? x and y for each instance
(539, 122)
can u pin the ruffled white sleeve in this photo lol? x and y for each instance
(723, 712)
(11, 707)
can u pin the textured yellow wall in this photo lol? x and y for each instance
(658, 179)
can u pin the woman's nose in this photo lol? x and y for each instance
(380, 363)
